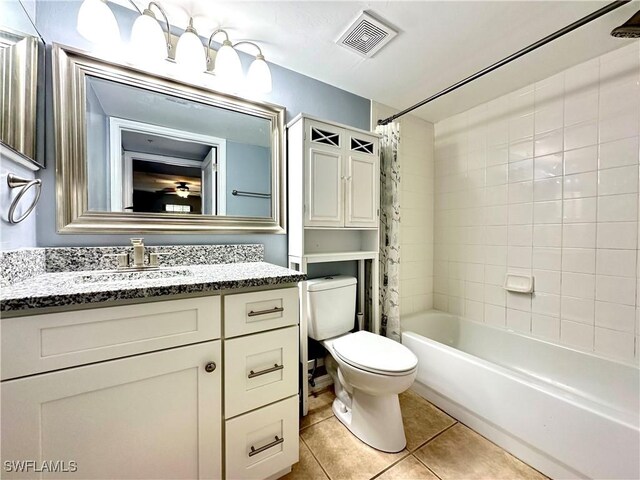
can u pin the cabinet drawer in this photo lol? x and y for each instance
(260, 369)
(257, 311)
(264, 442)
(42, 343)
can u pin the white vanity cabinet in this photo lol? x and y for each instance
(136, 391)
(341, 177)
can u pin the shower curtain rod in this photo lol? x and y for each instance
(549, 38)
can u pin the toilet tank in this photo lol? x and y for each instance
(331, 306)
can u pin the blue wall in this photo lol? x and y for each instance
(56, 22)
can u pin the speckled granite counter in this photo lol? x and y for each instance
(72, 288)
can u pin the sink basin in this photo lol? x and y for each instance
(129, 276)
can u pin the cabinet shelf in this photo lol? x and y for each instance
(339, 256)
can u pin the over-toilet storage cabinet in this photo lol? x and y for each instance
(334, 207)
(154, 390)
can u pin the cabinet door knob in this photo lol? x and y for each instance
(210, 367)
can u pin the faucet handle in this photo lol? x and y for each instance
(154, 258)
(122, 259)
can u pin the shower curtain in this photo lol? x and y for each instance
(389, 231)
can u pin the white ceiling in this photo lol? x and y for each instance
(439, 43)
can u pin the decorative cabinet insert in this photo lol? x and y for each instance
(136, 391)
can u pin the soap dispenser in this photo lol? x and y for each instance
(138, 252)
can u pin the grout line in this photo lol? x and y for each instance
(435, 435)
(440, 433)
(389, 467)
(316, 423)
(314, 457)
(426, 466)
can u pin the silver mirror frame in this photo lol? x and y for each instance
(18, 105)
(70, 67)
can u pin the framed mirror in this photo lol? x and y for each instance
(21, 85)
(145, 153)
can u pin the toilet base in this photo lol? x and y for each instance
(376, 420)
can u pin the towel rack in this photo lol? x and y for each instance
(240, 193)
(14, 182)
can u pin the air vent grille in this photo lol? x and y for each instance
(366, 36)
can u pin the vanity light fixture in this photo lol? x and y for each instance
(227, 66)
(259, 74)
(148, 41)
(182, 190)
(189, 51)
(149, 44)
(97, 23)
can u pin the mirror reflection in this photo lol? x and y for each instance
(150, 152)
(21, 75)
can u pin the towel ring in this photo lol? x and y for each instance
(15, 182)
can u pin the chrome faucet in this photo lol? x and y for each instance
(138, 252)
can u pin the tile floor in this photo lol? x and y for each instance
(438, 447)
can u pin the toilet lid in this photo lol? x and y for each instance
(375, 353)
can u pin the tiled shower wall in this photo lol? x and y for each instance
(544, 181)
(416, 209)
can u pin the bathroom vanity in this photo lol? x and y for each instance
(180, 372)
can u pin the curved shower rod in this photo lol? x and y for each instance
(549, 38)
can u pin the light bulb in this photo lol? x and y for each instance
(148, 43)
(97, 23)
(227, 65)
(190, 52)
(259, 76)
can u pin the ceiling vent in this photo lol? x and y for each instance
(366, 36)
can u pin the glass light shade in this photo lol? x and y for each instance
(190, 52)
(259, 76)
(97, 23)
(148, 43)
(227, 65)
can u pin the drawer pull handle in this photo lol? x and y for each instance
(210, 367)
(275, 368)
(255, 451)
(266, 312)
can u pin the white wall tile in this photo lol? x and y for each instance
(579, 235)
(545, 327)
(617, 235)
(614, 181)
(616, 289)
(548, 166)
(614, 344)
(495, 315)
(542, 181)
(616, 262)
(615, 316)
(518, 321)
(619, 153)
(579, 260)
(581, 160)
(576, 335)
(618, 208)
(579, 285)
(580, 185)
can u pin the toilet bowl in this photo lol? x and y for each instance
(367, 394)
(368, 370)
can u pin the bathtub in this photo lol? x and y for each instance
(567, 413)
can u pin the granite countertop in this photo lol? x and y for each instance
(82, 287)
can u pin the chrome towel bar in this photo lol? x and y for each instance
(15, 182)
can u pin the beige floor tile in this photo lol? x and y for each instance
(421, 419)
(460, 453)
(319, 408)
(408, 469)
(307, 467)
(342, 455)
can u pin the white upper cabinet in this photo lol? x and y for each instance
(340, 177)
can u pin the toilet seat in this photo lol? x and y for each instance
(374, 353)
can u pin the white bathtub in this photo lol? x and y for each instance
(567, 413)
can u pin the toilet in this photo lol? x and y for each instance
(368, 370)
